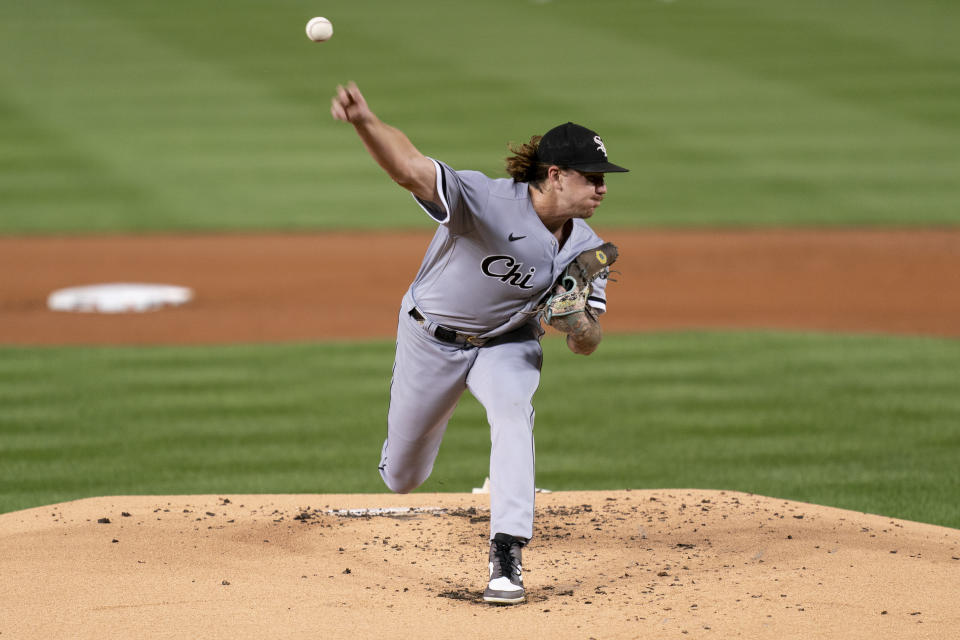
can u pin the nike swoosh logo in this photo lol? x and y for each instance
(513, 238)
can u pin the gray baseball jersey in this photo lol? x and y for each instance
(490, 264)
(492, 261)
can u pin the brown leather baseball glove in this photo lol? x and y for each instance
(570, 294)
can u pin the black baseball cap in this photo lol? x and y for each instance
(574, 147)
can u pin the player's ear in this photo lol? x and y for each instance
(553, 175)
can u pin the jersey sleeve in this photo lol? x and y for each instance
(584, 238)
(464, 194)
(598, 295)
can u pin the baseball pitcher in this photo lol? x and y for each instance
(507, 254)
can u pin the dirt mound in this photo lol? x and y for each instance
(624, 564)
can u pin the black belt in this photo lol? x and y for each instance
(449, 335)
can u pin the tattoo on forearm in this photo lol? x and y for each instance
(584, 332)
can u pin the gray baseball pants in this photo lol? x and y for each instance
(429, 377)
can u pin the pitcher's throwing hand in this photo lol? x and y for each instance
(349, 105)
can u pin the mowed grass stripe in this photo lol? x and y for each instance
(212, 149)
(741, 112)
(178, 420)
(865, 423)
(752, 123)
(852, 422)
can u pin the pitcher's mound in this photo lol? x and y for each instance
(625, 564)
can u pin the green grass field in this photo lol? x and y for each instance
(140, 117)
(866, 423)
(118, 115)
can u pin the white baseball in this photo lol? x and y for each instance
(319, 29)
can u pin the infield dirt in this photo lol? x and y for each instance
(625, 564)
(338, 285)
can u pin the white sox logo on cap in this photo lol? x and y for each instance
(602, 149)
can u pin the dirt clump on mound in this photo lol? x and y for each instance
(624, 564)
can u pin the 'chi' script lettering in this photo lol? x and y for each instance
(507, 270)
